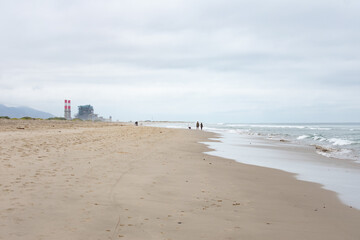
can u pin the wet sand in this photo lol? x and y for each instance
(75, 180)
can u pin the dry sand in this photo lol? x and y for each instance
(75, 180)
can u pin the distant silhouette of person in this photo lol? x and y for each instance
(201, 126)
(197, 125)
(136, 123)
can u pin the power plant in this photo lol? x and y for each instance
(85, 112)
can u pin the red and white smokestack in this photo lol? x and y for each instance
(67, 109)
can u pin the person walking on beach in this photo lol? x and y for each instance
(197, 125)
(201, 126)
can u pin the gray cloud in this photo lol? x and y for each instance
(144, 58)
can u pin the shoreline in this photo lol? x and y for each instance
(123, 182)
(301, 160)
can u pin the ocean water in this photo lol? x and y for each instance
(339, 144)
(340, 141)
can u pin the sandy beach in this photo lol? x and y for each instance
(83, 180)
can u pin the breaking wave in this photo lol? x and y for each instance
(340, 142)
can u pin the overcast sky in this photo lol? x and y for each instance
(214, 61)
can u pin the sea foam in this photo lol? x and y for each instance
(303, 137)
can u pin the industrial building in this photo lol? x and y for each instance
(86, 112)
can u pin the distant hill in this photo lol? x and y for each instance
(19, 112)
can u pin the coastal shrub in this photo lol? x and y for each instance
(76, 119)
(57, 118)
(27, 118)
(4, 117)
